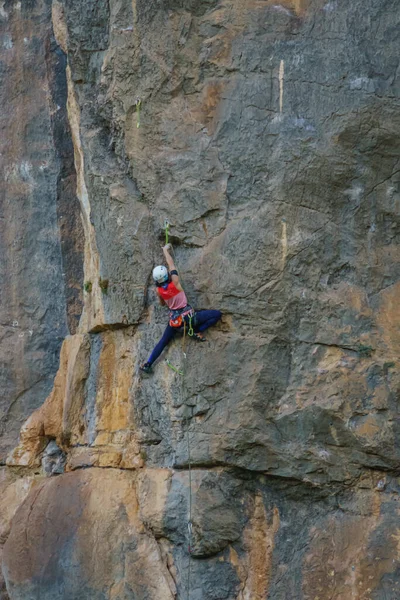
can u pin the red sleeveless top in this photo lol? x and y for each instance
(173, 298)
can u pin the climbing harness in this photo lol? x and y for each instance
(138, 104)
(179, 317)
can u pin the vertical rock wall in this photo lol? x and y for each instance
(40, 223)
(266, 133)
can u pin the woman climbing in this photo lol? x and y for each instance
(171, 294)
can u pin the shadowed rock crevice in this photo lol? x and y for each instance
(38, 303)
(68, 209)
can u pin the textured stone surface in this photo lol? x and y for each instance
(13, 491)
(91, 542)
(53, 461)
(267, 135)
(40, 223)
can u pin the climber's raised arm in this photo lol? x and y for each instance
(168, 257)
(171, 266)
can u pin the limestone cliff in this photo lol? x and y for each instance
(266, 133)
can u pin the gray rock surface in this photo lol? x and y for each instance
(40, 224)
(267, 135)
(73, 516)
(53, 461)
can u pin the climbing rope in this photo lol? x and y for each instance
(190, 499)
(189, 523)
(182, 373)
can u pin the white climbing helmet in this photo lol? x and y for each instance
(160, 274)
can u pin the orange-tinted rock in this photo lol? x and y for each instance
(266, 133)
(89, 412)
(84, 527)
(40, 223)
(13, 491)
(62, 408)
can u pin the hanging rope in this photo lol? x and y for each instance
(182, 374)
(190, 516)
(189, 523)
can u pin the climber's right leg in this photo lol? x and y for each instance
(168, 335)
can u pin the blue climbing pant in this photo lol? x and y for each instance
(206, 318)
(203, 320)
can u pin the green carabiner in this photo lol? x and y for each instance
(190, 330)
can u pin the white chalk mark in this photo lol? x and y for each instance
(281, 75)
(282, 9)
(355, 193)
(8, 43)
(3, 12)
(330, 7)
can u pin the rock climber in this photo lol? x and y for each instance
(170, 293)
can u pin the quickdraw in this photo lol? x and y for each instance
(190, 330)
(166, 227)
(171, 366)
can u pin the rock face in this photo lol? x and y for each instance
(41, 243)
(266, 133)
(94, 545)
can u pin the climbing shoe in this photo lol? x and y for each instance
(146, 368)
(199, 337)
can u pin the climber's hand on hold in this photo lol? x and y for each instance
(171, 266)
(168, 257)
